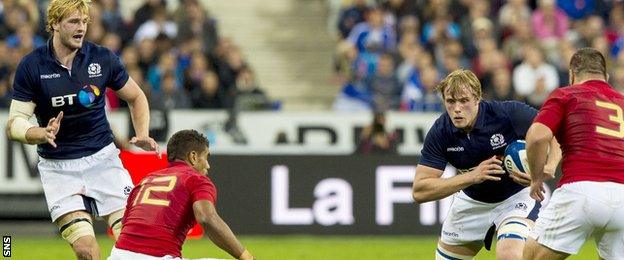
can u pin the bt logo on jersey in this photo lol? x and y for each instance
(86, 96)
(59, 101)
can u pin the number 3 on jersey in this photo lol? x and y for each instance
(159, 184)
(618, 118)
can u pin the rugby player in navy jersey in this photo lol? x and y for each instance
(470, 136)
(63, 84)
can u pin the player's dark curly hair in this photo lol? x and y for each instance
(183, 142)
(588, 60)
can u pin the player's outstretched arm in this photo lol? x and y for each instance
(218, 231)
(139, 112)
(20, 129)
(429, 186)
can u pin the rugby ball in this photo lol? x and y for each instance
(515, 157)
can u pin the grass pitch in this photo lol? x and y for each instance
(278, 247)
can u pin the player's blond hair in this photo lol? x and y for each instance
(61, 9)
(457, 80)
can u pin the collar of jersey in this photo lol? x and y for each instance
(50, 53)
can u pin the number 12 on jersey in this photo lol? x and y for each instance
(158, 184)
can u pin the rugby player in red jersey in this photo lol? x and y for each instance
(588, 121)
(168, 203)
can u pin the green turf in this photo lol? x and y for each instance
(278, 247)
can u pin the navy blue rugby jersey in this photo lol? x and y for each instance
(497, 124)
(79, 93)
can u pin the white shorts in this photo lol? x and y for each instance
(99, 176)
(121, 254)
(579, 209)
(468, 220)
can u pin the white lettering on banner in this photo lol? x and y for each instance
(334, 202)
(333, 205)
(387, 195)
(281, 214)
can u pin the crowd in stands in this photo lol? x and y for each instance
(392, 53)
(177, 56)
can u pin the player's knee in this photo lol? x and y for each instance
(444, 254)
(530, 249)
(509, 252)
(76, 229)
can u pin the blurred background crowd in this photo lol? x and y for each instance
(389, 54)
(176, 56)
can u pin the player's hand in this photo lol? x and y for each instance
(523, 179)
(147, 144)
(52, 129)
(537, 190)
(487, 170)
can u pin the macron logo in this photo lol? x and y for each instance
(455, 149)
(51, 76)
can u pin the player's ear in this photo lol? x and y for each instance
(192, 158)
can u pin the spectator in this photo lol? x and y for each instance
(421, 95)
(373, 35)
(25, 39)
(159, 24)
(166, 64)
(374, 138)
(248, 96)
(534, 79)
(384, 85)
(146, 12)
(111, 17)
(351, 16)
(206, 94)
(550, 24)
(512, 13)
(147, 54)
(172, 94)
(197, 24)
(501, 86)
(112, 41)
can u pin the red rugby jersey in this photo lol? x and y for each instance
(159, 212)
(588, 121)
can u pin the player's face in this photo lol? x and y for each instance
(201, 164)
(72, 30)
(462, 107)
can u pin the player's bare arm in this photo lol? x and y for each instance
(218, 231)
(428, 184)
(554, 157)
(19, 129)
(538, 140)
(139, 111)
